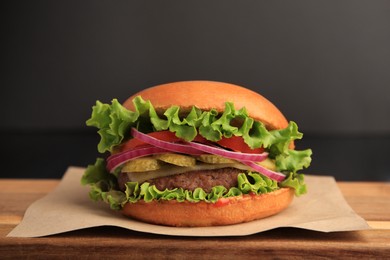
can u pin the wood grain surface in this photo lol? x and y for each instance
(369, 200)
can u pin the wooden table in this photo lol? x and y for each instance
(369, 200)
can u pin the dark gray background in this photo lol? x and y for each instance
(325, 64)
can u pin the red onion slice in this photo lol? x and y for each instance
(229, 154)
(174, 147)
(277, 176)
(118, 159)
(193, 148)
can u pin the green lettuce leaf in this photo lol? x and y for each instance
(261, 184)
(103, 185)
(96, 172)
(253, 183)
(295, 181)
(293, 160)
(114, 123)
(186, 128)
(282, 138)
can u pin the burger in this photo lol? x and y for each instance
(195, 153)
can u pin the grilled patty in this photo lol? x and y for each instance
(205, 179)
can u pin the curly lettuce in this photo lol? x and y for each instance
(103, 185)
(114, 122)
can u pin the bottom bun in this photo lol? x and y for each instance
(226, 211)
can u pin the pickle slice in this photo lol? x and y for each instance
(214, 159)
(268, 163)
(142, 164)
(176, 159)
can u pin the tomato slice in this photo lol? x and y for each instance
(236, 143)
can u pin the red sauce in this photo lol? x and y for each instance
(222, 202)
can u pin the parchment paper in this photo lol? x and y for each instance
(69, 208)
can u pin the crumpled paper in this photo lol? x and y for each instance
(69, 208)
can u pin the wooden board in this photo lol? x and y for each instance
(370, 200)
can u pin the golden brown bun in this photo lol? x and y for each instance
(210, 94)
(228, 211)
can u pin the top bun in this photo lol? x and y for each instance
(207, 95)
